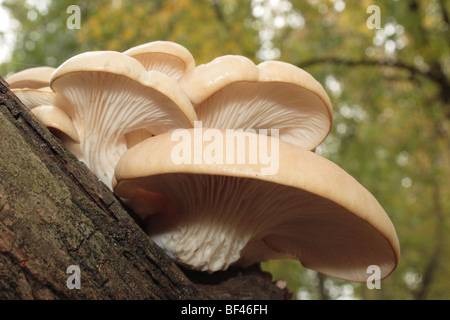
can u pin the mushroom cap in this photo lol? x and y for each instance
(283, 72)
(42, 103)
(231, 92)
(206, 79)
(32, 78)
(33, 98)
(210, 215)
(54, 118)
(167, 57)
(110, 95)
(120, 65)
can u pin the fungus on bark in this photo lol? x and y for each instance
(33, 98)
(31, 86)
(111, 96)
(120, 112)
(165, 56)
(58, 122)
(231, 92)
(211, 215)
(32, 78)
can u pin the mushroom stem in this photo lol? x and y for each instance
(99, 105)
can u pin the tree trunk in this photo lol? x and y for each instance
(60, 227)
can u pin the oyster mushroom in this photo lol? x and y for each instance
(231, 92)
(32, 78)
(167, 57)
(210, 215)
(33, 98)
(42, 102)
(58, 122)
(111, 96)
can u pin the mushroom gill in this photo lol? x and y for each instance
(209, 216)
(110, 96)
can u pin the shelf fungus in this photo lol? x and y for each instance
(32, 78)
(231, 92)
(165, 56)
(32, 87)
(216, 159)
(211, 214)
(58, 122)
(114, 103)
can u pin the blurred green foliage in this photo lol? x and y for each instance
(389, 87)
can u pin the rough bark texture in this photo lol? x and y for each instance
(54, 213)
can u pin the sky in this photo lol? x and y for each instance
(6, 28)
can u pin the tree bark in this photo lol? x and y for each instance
(54, 213)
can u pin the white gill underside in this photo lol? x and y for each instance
(32, 99)
(300, 115)
(105, 108)
(165, 63)
(218, 221)
(216, 217)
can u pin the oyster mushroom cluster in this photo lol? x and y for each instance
(217, 159)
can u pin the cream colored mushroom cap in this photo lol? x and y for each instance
(33, 98)
(102, 61)
(32, 78)
(310, 209)
(165, 56)
(55, 118)
(231, 92)
(113, 102)
(283, 72)
(206, 79)
(120, 64)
